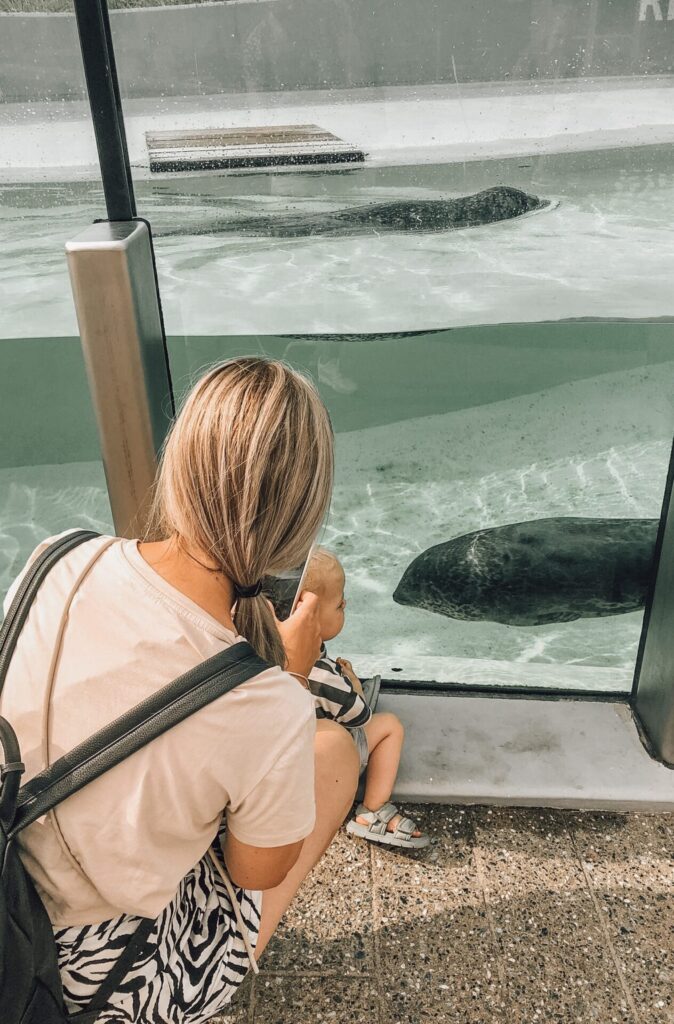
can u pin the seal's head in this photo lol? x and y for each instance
(505, 202)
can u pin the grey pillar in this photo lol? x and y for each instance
(113, 281)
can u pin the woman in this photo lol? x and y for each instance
(211, 828)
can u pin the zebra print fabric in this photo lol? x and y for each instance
(196, 956)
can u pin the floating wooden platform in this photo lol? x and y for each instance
(280, 146)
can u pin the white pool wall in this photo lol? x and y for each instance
(392, 125)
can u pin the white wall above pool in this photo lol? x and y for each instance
(393, 124)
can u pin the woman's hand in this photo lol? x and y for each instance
(301, 635)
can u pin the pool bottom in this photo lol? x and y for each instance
(585, 448)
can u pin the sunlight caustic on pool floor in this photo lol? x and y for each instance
(570, 450)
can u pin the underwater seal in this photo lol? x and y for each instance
(416, 215)
(528, 574)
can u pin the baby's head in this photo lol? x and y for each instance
(325, 578)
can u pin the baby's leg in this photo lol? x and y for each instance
(385, 736)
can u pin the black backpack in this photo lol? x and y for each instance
(30, 984)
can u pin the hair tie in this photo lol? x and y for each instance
(252, 591)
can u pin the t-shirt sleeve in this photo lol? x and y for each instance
(281, 808)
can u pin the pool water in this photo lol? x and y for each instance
(439, 433)
(606, 250)
(443, 434)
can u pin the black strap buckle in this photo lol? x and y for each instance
(11, 766)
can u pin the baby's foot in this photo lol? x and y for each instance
(391, 826)
(388, 826)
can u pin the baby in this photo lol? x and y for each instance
(339, 695)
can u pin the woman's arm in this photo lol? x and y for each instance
(255, 867)
(289, 784)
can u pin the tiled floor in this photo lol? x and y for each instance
(510, 915)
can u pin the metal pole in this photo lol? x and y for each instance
(114, 280)
(98, 56)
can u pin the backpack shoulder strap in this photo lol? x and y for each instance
(142, 724)
(28, 588)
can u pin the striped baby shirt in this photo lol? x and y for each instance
(334, 696)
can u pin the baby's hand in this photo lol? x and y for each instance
(347, 671)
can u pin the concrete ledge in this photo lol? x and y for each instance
(526, 752)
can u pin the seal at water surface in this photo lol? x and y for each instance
(414, 215)
(528, 574)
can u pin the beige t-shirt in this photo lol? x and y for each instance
(124, 842)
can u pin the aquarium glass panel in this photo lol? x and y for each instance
(455, 218)
(564, 428)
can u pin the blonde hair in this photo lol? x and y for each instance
(323, 563)
(246, 477)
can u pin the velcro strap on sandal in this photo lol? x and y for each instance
(406, 826)
(386, 812)
(374, 824)
(363, 812)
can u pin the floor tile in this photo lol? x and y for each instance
(447, 858)
(438, 963)
(630, 863)
(307, 1000)
(641, 931)
(557, 964)
(643, 840)
(512, 916)
(329, 925)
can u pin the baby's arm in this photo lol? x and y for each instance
(347, 669)
(338, 695)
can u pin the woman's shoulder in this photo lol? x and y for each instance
(97, 539)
